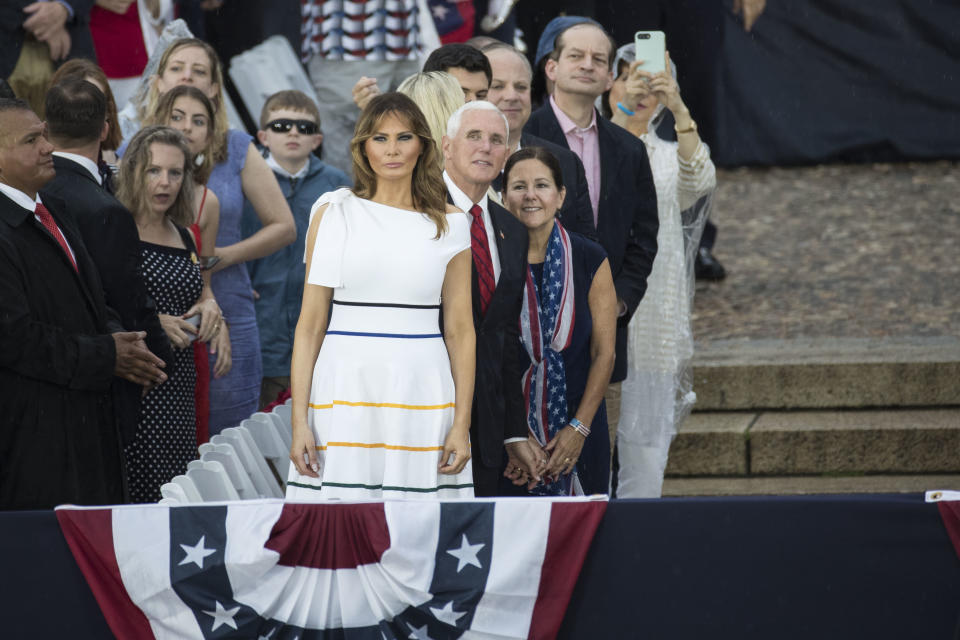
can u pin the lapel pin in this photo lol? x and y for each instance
(502, 237)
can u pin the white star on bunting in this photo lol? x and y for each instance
(418, 633)
(447, 614)
(466, 554)
(439, 12)
(196, 553)
(223, 616)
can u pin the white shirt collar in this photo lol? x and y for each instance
(84, 162)
(460, 199)
(273, 164)
(19, 197)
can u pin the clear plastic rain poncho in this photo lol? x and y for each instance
(658, 392)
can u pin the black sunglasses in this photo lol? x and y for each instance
(283, 125)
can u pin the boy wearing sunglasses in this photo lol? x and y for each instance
(289, 133)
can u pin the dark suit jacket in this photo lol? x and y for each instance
(576, 214)
(627, 220)
(498, 408)
(111, 237)
(58, 436)
(12, 33)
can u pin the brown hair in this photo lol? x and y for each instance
(133, 167)
(290, 99)
(201, 171)
(82, 68)
(218, 146)
(427, 186)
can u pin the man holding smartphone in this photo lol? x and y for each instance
(622, 194)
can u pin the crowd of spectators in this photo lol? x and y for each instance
(152, 257)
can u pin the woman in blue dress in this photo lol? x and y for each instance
(567, 329)
(239, 172)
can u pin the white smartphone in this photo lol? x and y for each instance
(651, 47)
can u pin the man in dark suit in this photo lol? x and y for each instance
(474, 150)
(510, 92)
(59, 349)
(622, 193)
(76, 118)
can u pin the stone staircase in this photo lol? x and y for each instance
(821, 416)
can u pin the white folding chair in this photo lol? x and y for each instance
(245, 464)
(226, 455)
(281, 414)
(169, 502)
(173, 493)
(274, 449)
(254, 461)
(194, 464)
(212, 482)
(189, 488)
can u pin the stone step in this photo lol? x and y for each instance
(827, 373)
(779, 443)
(804, 485)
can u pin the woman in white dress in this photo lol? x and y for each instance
(657, 394)
(382, 400)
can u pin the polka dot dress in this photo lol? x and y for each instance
(166, 437)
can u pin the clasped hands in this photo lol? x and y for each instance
(528, 463)
(181, 332)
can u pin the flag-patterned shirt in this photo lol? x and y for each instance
(360, 29)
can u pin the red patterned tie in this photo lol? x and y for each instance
(482, 261)
(47, 221)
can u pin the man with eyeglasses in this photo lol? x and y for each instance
(289, 132)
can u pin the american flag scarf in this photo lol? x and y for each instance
(546, 329)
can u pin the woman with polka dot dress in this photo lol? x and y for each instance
(156, 185)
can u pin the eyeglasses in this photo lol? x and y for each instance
(283, 125)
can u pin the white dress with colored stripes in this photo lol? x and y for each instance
(382, 400)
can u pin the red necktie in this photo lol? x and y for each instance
(47, 221)
(482, 261)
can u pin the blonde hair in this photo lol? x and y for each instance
(131, 190)
(218, 146)
(427, 186)
(438, 94)
(201, 171)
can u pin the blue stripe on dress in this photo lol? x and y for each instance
(386, 335)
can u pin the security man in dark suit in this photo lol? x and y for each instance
(59, 346)
(76, 121)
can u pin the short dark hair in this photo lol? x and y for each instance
(535, 153)
(14, 104)
(75, 112)
(290, 99)
(459, 56)
(6, 92)
(558, 47)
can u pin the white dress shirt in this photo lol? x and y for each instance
(464, 203)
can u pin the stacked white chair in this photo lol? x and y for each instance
(253, 461)
(188, 487)
(225, 454)
(212, 482)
